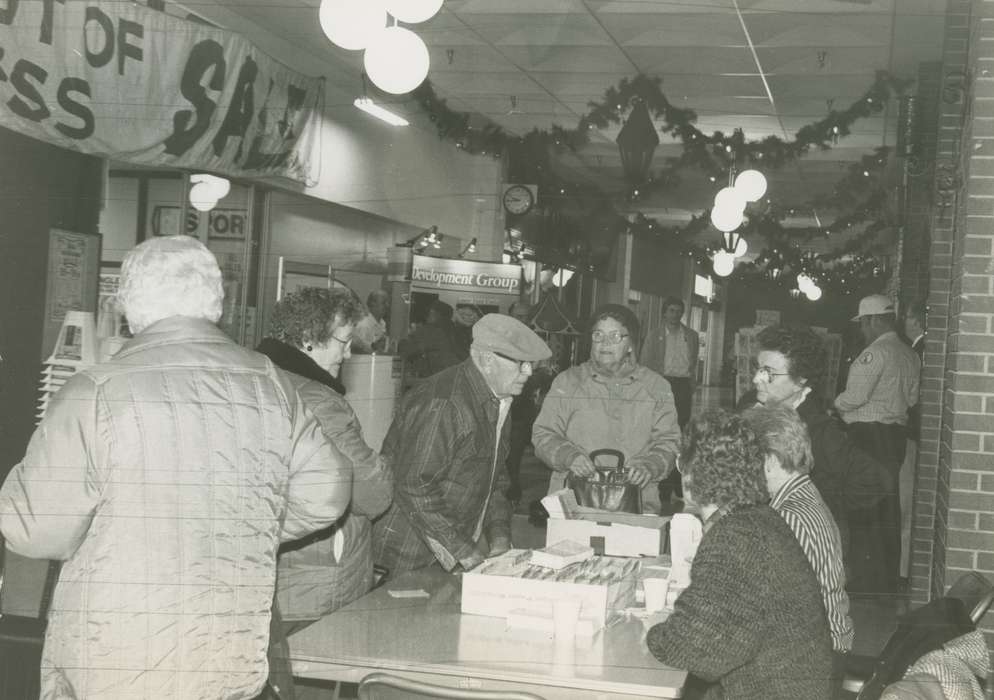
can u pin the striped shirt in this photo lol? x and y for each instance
(800, 505)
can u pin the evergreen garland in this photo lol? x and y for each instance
(715, 155)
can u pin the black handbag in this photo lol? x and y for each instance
(21, 640)
(607, 489)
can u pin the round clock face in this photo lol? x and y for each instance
(518, 199)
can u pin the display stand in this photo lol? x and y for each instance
(75, 349)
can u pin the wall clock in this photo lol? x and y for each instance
(518, 199)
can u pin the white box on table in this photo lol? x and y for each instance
(497, 587)
(612, 534)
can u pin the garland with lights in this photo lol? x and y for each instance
(715, 155)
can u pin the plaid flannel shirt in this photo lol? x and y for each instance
(441, 447)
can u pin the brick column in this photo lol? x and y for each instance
(931, 485)
(956, 465)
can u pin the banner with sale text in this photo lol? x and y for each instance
(124, 81)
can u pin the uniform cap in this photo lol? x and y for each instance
(510, 337)
(873, 305)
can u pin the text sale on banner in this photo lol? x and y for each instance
(124, 81)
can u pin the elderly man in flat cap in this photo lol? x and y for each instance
(882, 386)
(447, 446)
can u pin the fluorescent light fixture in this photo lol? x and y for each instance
(370, 107)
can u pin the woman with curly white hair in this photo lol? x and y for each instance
(165, 481)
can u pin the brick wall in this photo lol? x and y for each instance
(956, 466)
(915, 281)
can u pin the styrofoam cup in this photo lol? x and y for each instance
(565, 615)
(655, 593)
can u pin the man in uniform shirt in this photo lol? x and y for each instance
(672, 352)
(882, 386)
(447, 446)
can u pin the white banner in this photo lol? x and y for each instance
(428, 273)
(121, 80)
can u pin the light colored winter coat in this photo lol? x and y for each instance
(166, 479)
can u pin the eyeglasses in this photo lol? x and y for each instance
(345, 343)
(520, 363)
(766, 374)
(613, 337)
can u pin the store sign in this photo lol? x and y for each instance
(121, 80)
(465, 276)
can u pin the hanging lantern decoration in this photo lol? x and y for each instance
(351, 24)
(751, 184)
(412, 11)
(774, 272)
(637, 142)
(396, 60)
(730, 242)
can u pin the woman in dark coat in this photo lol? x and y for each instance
(310, 336)
(791, 363)
(751, 625)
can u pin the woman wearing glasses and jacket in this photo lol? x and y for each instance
(610, 401)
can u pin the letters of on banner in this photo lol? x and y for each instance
(124, 81)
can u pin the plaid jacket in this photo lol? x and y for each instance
(441, 449)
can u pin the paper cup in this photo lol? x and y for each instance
(565, 615)
(655, 593)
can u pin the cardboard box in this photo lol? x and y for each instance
(611, 534)
(508, 583)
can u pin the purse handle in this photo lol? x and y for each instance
(609, 452)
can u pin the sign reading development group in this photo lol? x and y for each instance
(125, 81)
(465, 276)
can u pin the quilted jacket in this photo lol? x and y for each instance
(166, 479)
(334, 566)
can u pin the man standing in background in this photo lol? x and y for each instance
(882, 386)
(370, 334)
(672, 351)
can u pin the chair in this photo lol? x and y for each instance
(384, 686)
(976, 592)
(918, 632)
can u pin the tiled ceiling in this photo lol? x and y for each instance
(766, 66)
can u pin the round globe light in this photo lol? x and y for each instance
(804, 282)
(730, 199)
(726, 219)
(751, 184)
(813, 293)
(201, 197)
(723, 263)
(396, 60)
(741, 248)
(412, 11)
(351, 24)
(218, 187)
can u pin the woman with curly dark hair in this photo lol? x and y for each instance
(310, 335)
(791, 364)
(751, 624)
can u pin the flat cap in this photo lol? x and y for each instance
(874, 305)
(510, 337)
